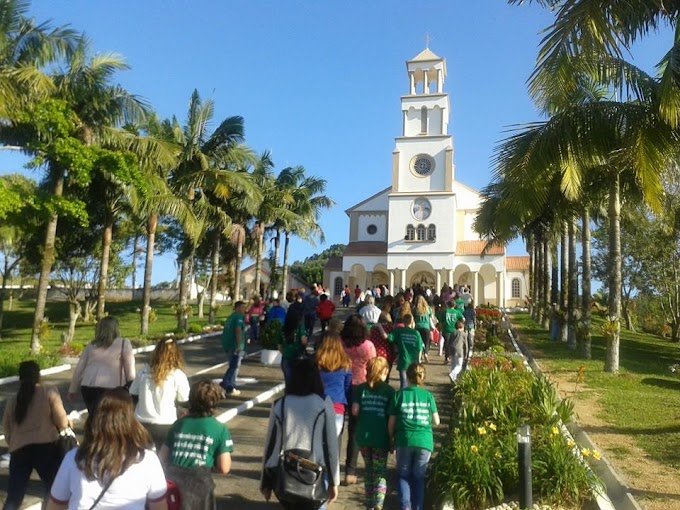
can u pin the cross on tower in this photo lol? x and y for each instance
(428, 40)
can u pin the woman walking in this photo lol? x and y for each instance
(370, 405)
(359, 349)
(412, 413)
(423, 319)
(107, 362)
(159, 386)
(31, 423)
(114, 466)
(335, 368)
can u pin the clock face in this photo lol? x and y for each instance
(421, 209)
(422, 166)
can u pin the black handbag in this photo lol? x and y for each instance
(66, 442)
(298, 478)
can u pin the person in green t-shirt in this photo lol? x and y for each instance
(197, 444)
(234, 344)
(409, 343)
(413, 412)
(292, 343)
(448, 318)
(370, 404)
(422, 314)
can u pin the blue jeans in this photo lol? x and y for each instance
(229, 379)
(310, 321)
(254, 329)
(411, 469)
(287, 369)
(403, 379)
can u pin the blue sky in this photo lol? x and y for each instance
(319, 83)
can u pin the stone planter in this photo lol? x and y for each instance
(270, 357)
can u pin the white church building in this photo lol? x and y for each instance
(419, 229)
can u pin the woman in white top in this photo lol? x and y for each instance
(114, 463)
(159, 386)
(107, 362)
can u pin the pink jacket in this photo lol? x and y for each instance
(360, 356)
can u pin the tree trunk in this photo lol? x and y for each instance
(573, 287)
(531, 248)
(675, 331)
(237, 271)
(613, 340)
(46, 267)
(151, 225)
(546, 283)
(627, 316)
(586, 291)
(200, 302)
(3, 290)
(258, 261)
(277, 253)
(539, 281)
(182, 310)
(214, 271)
(135, 247)
(104, 266)
(555, 274)
(284, 275)
(564, 281)
(73, 313)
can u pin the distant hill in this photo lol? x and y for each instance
(311, 269)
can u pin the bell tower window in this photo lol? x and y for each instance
(423, 120)
(410, 233)
(431, 233)
(421, 233)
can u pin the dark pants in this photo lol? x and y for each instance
(91, 396)
(352, 447)
(310, 320)
(196, 486)
(22, 462)
(426, 335)
(324, 324)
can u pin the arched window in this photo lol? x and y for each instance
(423, 120)
(516, 288)
(337, 286)
(410, 233)
(421, 233)
(432, 233)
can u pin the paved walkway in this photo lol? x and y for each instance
(240, 488)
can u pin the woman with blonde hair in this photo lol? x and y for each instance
(370, 405)
(335, 368)
(423, 318)
(107, 362)
(114, 466)
(159, 386)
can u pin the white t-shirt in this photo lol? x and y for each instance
(142, 482)
(157, 402)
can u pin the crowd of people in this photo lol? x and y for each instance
(149, 433)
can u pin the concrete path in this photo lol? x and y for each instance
(240, 488)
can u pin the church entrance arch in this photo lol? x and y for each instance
(421, 274)
(462, 275)
(487, 284)
(357, 276)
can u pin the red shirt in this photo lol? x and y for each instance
(382, 346)
(357, 292)
(325, 310)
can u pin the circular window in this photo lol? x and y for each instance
(371, 229)
(422, 165)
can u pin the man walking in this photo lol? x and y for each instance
(234, 344)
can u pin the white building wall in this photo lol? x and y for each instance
(369, 262)
(468, 233)
(436, 149)
(379, 220)
(443, 210)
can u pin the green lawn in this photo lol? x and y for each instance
(641, 401)
(16, 333)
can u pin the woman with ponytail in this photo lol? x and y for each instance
(32, 421)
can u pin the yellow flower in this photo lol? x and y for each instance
(492, 426)
(570, 443)
(481, 431)
(474, 449)
(596, 455)
(554, 431)
(498, 455)
(586, 452)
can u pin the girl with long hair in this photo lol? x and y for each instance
(31, 423)
(359, 349)
(106, 362)
(423, 319)
(370, 405)
(293, 343)
(379, 336)
(335, 368)
(196, 444)
(114, 463)
(413, 412)
(159, 386)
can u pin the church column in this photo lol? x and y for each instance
(438, 281)
(440, 81)
(475, 287)
(412, 80)
(391, 273)
(426, 83)
(450, 277)
(403, 279)
(403, 130)
(499, 288)
(369, 279)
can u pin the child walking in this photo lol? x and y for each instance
(409, 343)
(412, 413)
(370, 404)
(458, 352)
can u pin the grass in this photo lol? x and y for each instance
(17, 324)
(642, 401)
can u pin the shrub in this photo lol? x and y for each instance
(270, 334)
(195, 329)
(179, 333)
(9, 361)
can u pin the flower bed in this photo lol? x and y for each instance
(477, 465)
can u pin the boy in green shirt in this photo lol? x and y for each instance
(234, 344)
(448, 318)
(409, 343)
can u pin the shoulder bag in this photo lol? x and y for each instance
(66, 442)
(300, 480)
(123, 383)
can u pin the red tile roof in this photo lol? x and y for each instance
(517, 263)
(477, 248)
(366, 248)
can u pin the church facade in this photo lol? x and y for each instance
(419, 230)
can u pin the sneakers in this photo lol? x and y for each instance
(233, 392)
(452, 377)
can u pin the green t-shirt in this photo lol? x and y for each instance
(413, 408)
(197, 441)
(410, 345)
(235, 320)
(448, 318)
(422, 321)
(294, 349)
(371, 431)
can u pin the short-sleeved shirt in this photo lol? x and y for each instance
(235, 321)
(294, 349)
(141, 482)
(360, 354)
(423, 321)
(371, 431)
(197, 441)
(410, 345)
(448, 318)
(413, 408)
